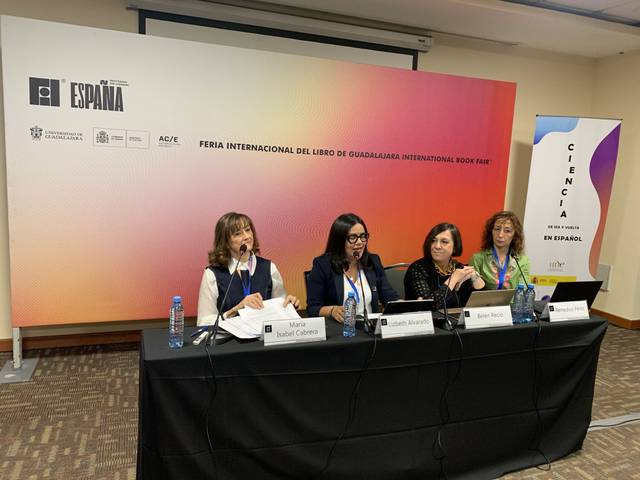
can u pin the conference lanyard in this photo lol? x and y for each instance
(353, 287)
(502, 270)
(246, 287)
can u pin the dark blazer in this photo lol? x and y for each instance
(325, 287)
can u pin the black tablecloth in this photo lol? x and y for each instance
(278, 410)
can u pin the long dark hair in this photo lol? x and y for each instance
(227, 225)
(338, 238)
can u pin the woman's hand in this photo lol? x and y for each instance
(337, 313)
(461, 275)
(291, 300)
(254, 301)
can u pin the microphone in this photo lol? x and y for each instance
(515, 257)
(214, 330)
(367, 325)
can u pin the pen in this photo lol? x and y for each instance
(199, 331)
(204, 334)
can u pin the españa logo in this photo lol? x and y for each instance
(44, 91)
(102, 95)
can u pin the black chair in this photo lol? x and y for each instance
(306, 282)
(395, 274)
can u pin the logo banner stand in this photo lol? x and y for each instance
(570, 181)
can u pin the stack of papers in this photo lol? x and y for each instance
(249, 322)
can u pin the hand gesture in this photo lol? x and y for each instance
(291, 300)
(254, 301)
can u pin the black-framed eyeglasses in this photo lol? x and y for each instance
(353, 238)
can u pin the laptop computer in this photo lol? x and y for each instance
(478, 298)
(571, 291)
(408, 306)
(490, 298)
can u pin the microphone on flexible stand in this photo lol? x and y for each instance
(515, 257)
(214, 331)
(367, 325)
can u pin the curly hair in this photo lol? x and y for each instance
(517, 243)
(227, 225)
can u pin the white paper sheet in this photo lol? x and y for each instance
(248, 323)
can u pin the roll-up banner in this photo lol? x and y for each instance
(570, 182)
(123, 150)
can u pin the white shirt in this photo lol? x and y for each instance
(208, 297)
(367, 293)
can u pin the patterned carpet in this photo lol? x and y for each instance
(77, 417)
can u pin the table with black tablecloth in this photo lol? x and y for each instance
(474, 404)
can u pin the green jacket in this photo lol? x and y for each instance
(485, 265)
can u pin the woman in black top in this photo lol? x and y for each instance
(437, 275)
(347, 265)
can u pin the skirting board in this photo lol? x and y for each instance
(618, 321)
(54, 341)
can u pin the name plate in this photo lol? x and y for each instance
(405, 324)
(566, 311)
(486, 317)
(300, 330)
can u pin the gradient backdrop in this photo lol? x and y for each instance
(103, 232)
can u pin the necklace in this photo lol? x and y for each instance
(444, 272)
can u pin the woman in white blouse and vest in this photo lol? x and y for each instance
(258, 278)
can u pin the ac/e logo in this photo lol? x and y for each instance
(168, 139)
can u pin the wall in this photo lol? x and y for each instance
(547, 84)
(617, 82)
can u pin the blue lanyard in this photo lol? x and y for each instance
(502, 270)
(353, 287)
(246, 287)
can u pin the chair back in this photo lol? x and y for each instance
(306, 282)
(395, 274)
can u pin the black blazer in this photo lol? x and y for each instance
(325, 287)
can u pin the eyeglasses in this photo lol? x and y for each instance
(353, 238)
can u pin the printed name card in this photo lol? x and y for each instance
(565, 311)
(486, 317)
(405, 324)
(300, 330)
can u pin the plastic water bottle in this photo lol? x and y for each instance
(517, 307)
(176, 323)
(349, 325)
(529, 297)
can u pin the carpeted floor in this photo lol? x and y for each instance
(77, 417)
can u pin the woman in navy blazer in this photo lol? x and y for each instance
(347, 266)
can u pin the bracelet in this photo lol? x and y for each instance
(331, 311)
(476, 276)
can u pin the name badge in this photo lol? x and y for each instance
(405, 324)
(486, 317)
(300, 330)
(566, 311)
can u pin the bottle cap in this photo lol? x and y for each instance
(520, 286)
(351, 295)
(177, 299)
(531, 286)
